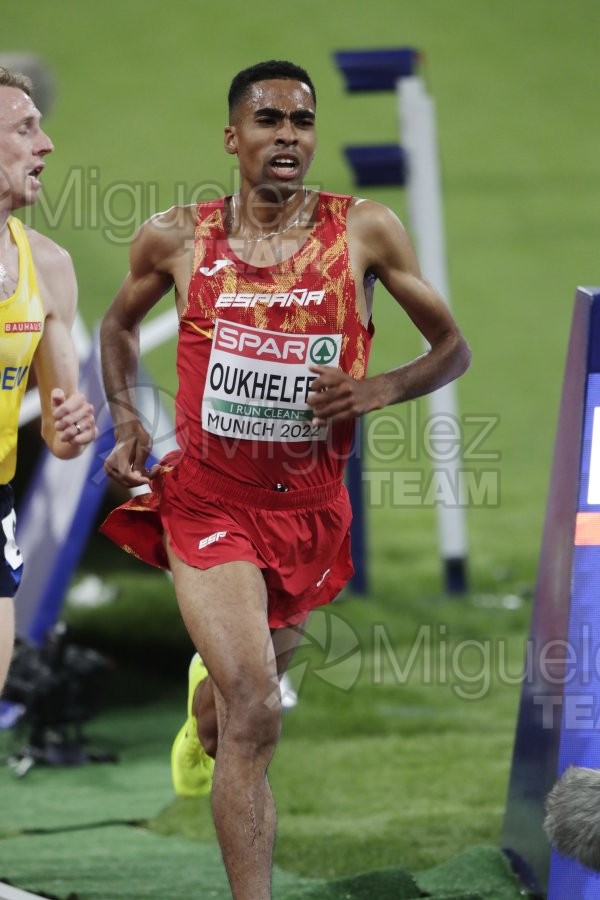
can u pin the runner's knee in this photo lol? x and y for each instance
(256, 725)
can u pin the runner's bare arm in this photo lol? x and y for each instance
(148, 280)
(68, 423)
(379, 244)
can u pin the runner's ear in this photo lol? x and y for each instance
(230, 139)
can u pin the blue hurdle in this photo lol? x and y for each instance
(414, 166)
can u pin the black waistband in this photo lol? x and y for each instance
(7, 499)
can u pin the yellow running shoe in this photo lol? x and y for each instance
(191, 767)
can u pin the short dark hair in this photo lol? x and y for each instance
(265, 71)
(15, 80)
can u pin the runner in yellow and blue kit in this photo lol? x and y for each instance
(38, 299)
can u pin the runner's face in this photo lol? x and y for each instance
(273, 135)
(23, 146)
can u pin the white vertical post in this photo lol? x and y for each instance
(419, 140)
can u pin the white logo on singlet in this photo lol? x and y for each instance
(218, 265)
(296, 297)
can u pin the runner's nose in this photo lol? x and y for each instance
(287, 132)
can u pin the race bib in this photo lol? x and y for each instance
(258, 382)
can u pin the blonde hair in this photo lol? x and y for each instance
(16, 80)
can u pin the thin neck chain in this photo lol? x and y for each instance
(8, 283)
(270, 234)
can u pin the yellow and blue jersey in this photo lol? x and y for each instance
(21, 327)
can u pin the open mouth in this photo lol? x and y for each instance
(35, 173)
(285, 166)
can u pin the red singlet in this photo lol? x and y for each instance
(246, 340)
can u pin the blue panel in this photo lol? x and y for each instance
(580, 744)
(557, 642)
(377, 164)
(592, 401)
(376, 70)
(580, 723)
(594, 354)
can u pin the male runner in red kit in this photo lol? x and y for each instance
(274, 288)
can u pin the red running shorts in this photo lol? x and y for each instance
(300, 539)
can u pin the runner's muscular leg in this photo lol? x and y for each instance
(225, 611)
(285, 641)
(7, 636)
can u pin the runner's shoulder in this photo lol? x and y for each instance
(165, 234)
(47, 254)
